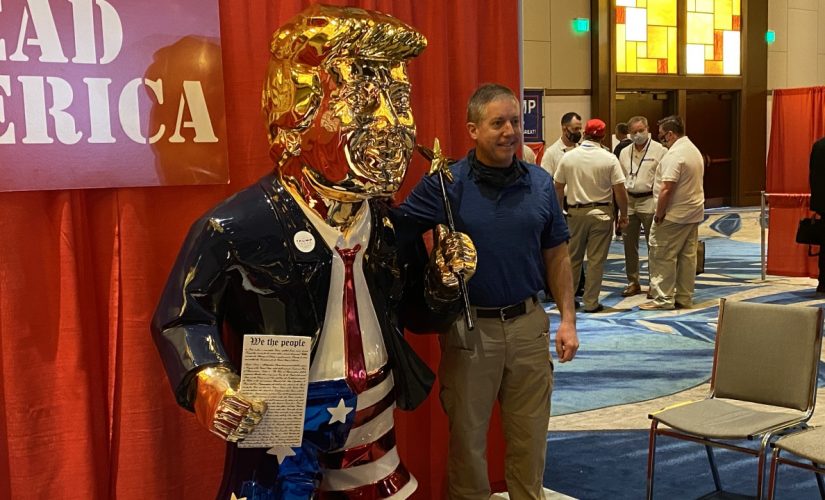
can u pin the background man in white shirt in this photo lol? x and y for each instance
(680, 208)
(571, 134)
(592, 176)
(639, 163)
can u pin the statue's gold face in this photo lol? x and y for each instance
(363, 136)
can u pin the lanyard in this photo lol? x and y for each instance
(639, 166)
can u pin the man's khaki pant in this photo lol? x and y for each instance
(630, 236)
(672, 262)
(509, 361)
(591, 230)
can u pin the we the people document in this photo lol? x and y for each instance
(276, 369)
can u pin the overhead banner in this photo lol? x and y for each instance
(531, 107)
(110, 93)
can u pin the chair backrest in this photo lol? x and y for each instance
(767, 353)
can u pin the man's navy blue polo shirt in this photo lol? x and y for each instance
(510, 227)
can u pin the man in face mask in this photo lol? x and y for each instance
(571, 134)
(639, 163)
(679, 198)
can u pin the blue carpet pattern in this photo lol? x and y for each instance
(628, 355)
(612, 465)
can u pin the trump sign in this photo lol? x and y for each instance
(532, 115)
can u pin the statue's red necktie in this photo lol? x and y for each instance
(353, 347)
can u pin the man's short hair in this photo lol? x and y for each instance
(636, 119)
(672, 123)
(621, 128)
(568, 117)
(316, 39)
(484, 95)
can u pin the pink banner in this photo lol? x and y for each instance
(110, 93)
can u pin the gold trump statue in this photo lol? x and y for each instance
(315, 249)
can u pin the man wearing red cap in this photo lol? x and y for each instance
(592, 176)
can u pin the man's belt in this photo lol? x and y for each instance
(640, 195)
(506, 312)
(590, 205)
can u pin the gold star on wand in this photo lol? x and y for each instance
(438, 162)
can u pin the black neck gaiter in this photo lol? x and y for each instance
(498, 177)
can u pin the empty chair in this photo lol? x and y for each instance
(810, 445)
(763, 382)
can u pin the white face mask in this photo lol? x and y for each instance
(639, 138)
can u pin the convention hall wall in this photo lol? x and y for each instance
(558, 60)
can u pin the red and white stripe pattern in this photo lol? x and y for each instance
(368, 466)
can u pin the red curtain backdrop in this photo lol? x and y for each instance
(87, 411)
(797, 121)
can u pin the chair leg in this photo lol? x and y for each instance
(772, 475)
(760, 475)
(651, 458)
(713, 469)
(819, 482)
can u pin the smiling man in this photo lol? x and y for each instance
(509, 210)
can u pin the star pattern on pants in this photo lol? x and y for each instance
(339, 413)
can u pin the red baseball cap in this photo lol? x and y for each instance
(594, 128)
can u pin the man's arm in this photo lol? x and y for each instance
(620, 194)
(665, 196)
(560, 193)
(560, 279)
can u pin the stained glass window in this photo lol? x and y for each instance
(646, 36)
(714, 37)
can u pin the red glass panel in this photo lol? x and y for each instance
(717, 45)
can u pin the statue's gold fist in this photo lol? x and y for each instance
(453, 254)
(221, 408)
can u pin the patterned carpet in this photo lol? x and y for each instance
(633, 362)
(629, 355)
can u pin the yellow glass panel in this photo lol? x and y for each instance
(661, 12)
(641, 49)
(641, 3)
(691, 5)
(647, 65)
(723, 17)
(620, 49)
(636, 24)
(699, 28)
(708, 52)
(713, 67)
(672, 44)
(625, 3)
(704, 6)
(630, 55)
(695, 59)
(731, 52)
(657, 42)
(736, 8)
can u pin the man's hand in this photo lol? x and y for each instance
(453, 254)
(622, 221)
(567, 343)
(221, 409)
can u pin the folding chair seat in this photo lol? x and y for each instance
(763, 383)
(808, 445)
